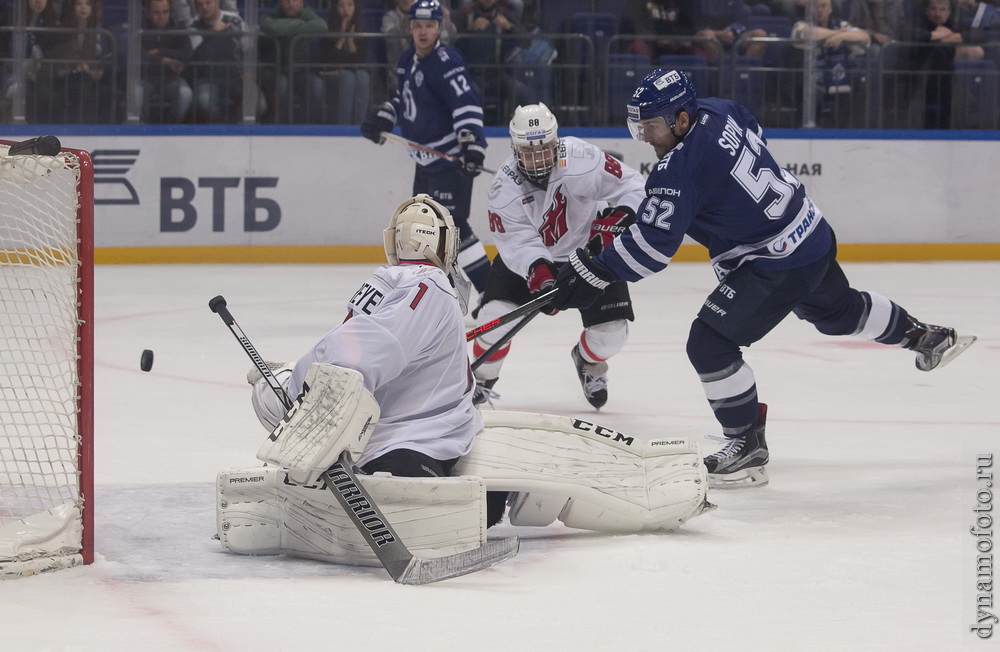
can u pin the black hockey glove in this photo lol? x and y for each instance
(473, 154)
(580, 282)
(379, 119)
(541, 279)
(611, 223)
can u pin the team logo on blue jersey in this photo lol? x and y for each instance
(418, 78)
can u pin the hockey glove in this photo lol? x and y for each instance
(541, 279)
(379, 119)
(580, 281)
(611, 223)
(473, 154)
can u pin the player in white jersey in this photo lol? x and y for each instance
(551, 196)
(405, 333)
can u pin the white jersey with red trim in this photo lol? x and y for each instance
(531, 221)
(405, 333)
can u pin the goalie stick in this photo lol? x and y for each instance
(534, 305)
(395, 557)
(430, 150)
(42, 145)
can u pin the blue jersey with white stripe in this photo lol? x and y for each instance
(435, 101)
(723, 188)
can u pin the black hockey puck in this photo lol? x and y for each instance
(146, 362)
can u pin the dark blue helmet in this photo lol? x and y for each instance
(662, 93)
(426, 10)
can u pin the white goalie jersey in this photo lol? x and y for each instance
(530, 221)
(393, 336)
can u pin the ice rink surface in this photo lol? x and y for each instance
(861, 541)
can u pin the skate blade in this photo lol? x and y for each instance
(961, 344)
(755, 476)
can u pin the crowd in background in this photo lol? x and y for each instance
(873, 63)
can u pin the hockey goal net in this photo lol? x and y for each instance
(46, 361)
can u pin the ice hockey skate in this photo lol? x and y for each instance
(936, 346)
(484, 392)
(593, 378)
(741, 462)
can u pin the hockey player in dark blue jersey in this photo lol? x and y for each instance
(772, 250)
(437, 106)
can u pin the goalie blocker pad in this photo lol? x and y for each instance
(586, 475)
(334, 412)
(261, 512)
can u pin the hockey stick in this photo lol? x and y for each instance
(537, 303)
(503, 340)
(44, 145)
(430, 150)
(395, 557)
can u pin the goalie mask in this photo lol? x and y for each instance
(422, 230)
(534, 137)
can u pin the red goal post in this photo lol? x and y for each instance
(46, 361)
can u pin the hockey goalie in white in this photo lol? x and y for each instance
(392, 385)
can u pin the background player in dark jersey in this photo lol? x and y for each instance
(436, 105)
(772, 251)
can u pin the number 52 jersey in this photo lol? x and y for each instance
(722, 187)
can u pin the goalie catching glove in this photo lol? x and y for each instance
(541, 279)
(473, 154)
(580, 282)
(379, 119)
(611, 223)
(334, 413)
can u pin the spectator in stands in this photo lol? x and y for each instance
(37, 13)
(81, 93)
(166, 95)
(217, 63)
(183, 12)
(941, 45)
(837, 40)
(486, 56)
(978, 22)
(725, 21)
(347, 88)
(396, 27)
(668, 18)
(884, 20)
(281, 83)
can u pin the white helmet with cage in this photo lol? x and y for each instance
(420, 230)
(534, 137)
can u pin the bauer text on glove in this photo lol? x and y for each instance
(611, 223)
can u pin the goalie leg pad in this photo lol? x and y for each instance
(335, 412)
(586, 475)
(259, 512)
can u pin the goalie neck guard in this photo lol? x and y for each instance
(534, 137)
(422, 230)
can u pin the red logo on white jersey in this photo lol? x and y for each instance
(554, 221)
